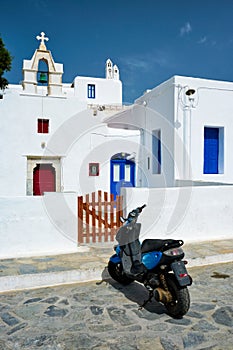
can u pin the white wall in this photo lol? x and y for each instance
(32, 226)
(182, 123)
(107, 91)
(74, 133)
(160, 99)
(188, 213)
(76, 173)
(212, 106)
(84, 139)
(19, 137)
(155, 121)
(144, 117)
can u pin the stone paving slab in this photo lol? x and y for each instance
(106, 316)
(90, 263)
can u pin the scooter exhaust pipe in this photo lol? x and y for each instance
(162, 295)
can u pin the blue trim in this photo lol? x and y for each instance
(115, 259)
(91, 90)
(115, 186)
(211, 150)
(156, 151)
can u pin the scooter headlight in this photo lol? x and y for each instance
(173, 252)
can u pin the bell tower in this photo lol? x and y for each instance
(111, 72)
(116, 74)
(109, 69)
(52, 77)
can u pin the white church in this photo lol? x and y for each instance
(57, 141)
(170, 149)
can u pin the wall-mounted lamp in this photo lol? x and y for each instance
(190, 92)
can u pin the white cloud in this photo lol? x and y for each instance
(147, 61)
(186, 29)
(138, 67)
(202, 40)
(207, 41)
(136, 63)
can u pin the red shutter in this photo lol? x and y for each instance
(39, 126)
(43, 126)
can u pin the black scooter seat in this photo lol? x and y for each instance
(160, 244)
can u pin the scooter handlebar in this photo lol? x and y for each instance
(133, 214)
(137, 211)
(141, 208)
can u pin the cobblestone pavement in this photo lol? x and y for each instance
(106, 315)
(88, 263)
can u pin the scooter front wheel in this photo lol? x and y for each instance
(116, 272)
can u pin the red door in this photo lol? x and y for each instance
(43, 179)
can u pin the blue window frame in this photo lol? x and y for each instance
(213, 150)
(91, 90)
(156, 152)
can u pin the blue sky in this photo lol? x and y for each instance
(149, 40)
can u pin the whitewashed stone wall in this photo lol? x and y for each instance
(188, 213)
(31, 226)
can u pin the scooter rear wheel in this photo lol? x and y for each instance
(181, 299)
(116, 272)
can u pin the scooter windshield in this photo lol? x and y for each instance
(128, 233)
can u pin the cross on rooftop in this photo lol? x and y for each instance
(42, 38)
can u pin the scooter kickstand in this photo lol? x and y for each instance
(151, 294)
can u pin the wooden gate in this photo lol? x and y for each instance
(98, 217)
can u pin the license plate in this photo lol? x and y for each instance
(179, 269)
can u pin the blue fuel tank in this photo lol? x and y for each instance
(151, 259)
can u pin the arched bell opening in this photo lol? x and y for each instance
(43, 73)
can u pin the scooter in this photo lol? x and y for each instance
(156, 263)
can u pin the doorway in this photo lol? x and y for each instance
(211, 150)
(44, 176)
(122, 173)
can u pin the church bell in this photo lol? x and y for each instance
(43, 78)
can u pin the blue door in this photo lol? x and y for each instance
(211, 150)
(122, 174)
